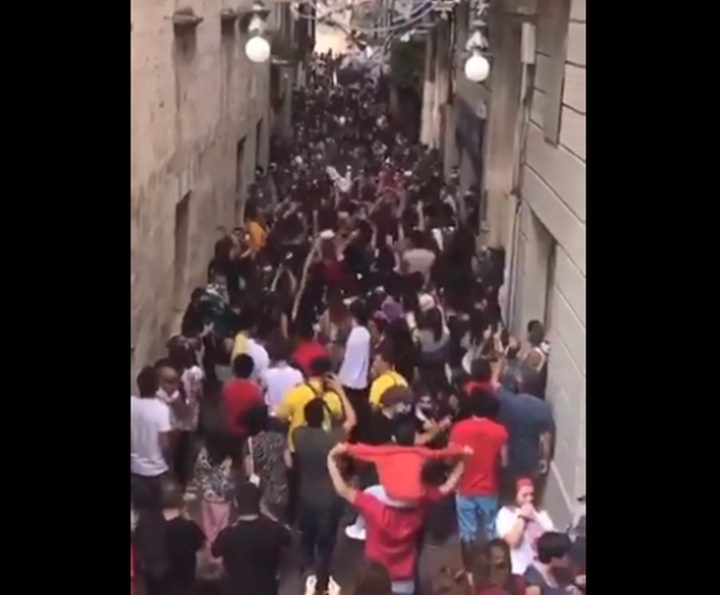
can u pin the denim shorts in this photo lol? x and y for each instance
(471, 510)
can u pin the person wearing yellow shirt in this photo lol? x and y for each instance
(256, 231)
(319, 385)
(383, 370)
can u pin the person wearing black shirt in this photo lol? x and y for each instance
(251, 549)
(167, 544)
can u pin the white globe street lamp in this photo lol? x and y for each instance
(257, 49)
(477, 67)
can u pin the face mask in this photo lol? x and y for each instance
(163, 395)
(403, 409)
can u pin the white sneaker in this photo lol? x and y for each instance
(333, 587)
(355, 532)
(310, 585)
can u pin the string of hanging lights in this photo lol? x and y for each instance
(417, 14)
(477, 66)
(399, 21)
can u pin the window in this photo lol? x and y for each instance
(286, 22)
(550, 285)
(462, 31)
(556, 21)
(259, 143)
(182, 233)
(239, 181)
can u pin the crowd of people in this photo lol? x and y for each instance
(344, 372)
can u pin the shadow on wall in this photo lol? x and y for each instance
(184, 48)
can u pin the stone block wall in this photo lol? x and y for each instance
(550, 277)
(194, 97)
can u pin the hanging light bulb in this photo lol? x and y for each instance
(257, 49)
(477, 67)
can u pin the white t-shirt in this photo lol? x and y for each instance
(523, 555)
(419, 260)
(148, 419)
(277, 381)
(260, 357)
(356, 362)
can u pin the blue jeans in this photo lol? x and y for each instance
(319, 526)
(470, 509)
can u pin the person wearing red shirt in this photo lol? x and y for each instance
(240, 395)
(477, 494)
(308, 349)
(400, 467)
(482, 376)
(392, 533)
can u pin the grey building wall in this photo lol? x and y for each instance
(193, 102)
(550, 274)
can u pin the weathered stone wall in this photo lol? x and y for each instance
(193, 98)
(551, 279)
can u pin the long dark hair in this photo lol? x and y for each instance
(219, 446)
(432, 320)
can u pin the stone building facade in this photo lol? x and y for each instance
(199, 126)
(521, 136)
(549, 240)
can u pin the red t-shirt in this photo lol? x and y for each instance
(472, 385)
(239, 396)
(400, 467)
(486, 438)
(306, 353)
(392, 533)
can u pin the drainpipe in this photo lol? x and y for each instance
(521, 129)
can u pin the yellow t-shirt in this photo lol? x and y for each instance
(382, 383)
(257, 236)
(239, 346)
(293, 406)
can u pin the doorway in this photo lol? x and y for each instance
(550, 285)
(182, 236)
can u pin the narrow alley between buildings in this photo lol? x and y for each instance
(346, 281)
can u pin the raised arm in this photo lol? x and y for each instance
(303, 281)
(344, 490)
(421, 216)
(350, 415)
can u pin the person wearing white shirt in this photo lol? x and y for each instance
(280, 377)
(244, 343)
(521, 525)
(356, 359)
(260, 356)
(355, 368)
(149, 440)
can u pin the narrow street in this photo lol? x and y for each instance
(357, 293)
